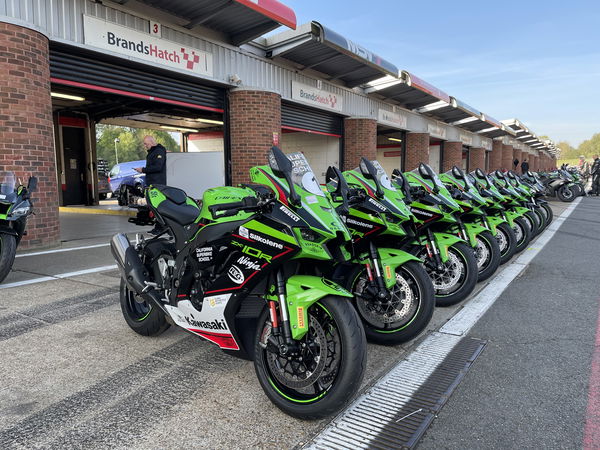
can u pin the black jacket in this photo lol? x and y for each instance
(595, 167)
(524, 166)
(156, 168)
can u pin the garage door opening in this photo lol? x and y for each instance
(390, 148)
(317, 134)
(436, 154)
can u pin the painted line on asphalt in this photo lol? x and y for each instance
(59, 276)
(441, 343)
(591, 435)
(61, 250)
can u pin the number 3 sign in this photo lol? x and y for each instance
(155, 29)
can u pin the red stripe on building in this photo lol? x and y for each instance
(303, 130)
(72, 122)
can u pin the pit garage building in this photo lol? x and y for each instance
(203, 67)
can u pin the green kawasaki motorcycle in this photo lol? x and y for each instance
(230, 272)
(472, 223)
(501, 207)
(448, 258)
(529, 200)
(392, 292)
(15, 208)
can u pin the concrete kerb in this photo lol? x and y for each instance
(92, 210)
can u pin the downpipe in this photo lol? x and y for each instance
(133, 271)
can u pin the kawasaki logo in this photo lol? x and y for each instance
(248, 263)
(360, 224)
(377, 205)
(214, 325)
(265, 241)
(290, 214)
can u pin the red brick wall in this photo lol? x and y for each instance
(507, 157)
(417, 150)
(360, 139)
(496, 156)
(26, 129)
(452, 155)
(253, 118)
(536, 164)
(476, 158)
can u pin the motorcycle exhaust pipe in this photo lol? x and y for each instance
(132, 269)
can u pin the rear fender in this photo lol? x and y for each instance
(302, 291)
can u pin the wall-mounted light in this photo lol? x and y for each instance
(191, 130)
(395, 139)
(67, 96)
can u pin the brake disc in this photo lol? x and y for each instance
(401, 305)
(482, 253)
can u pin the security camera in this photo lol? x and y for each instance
(235, 79)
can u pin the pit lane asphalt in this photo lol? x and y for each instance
(74, 374)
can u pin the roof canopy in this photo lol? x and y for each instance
(314, 46)
(409, 91)
(241, 20)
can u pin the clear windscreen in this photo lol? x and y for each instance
(382, 176)
(302, 174)
(426, 172)
(8, 182)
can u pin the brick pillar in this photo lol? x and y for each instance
(476, 158)
(417, 150)
(496, 156)
(360, 139)
(536, 163)
(26, 128)
(517, 154)
(507, 157)
(254, 117)
(452, 155)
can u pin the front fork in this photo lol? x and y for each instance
(281, 331)
(376, 280)
(433, 252)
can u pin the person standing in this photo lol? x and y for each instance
(156, 167)
(515, 163)
(595, 173)
(524, 166)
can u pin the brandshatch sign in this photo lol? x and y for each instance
(129, 42)
(393, 119)
(316, 97)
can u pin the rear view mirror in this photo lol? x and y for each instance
(400, 180)
(337, 186)
(457, 173)
(282, 167)
(369, 171)
(427, 172)
(32, 184)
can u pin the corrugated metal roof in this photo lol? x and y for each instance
(241, 20)
(314, 46)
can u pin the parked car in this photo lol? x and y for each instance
(125, 182)
(103, 187)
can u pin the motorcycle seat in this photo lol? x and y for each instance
(175, 207)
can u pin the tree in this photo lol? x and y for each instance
(130, 146)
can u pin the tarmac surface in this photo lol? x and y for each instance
(74, 374)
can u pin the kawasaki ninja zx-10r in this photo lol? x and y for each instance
(15, 208)
(228, 272)
(392, 291)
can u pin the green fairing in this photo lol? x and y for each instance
(224, 194)
(259, 227)
(493, 222)
(156, 197)
(302, 292)
(391, 259)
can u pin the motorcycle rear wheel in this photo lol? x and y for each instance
(565, 194)
(326, 373)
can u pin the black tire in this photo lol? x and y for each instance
(487, 255)
(461, 268)
(533, 221)
(334, 320)
(8, 249)
(522, 233)
(413, 302)
(122, 197)
(507, 242)
(541, 215)
(549, 213)
(565, 194)
(146, 318)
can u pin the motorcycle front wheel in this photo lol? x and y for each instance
(487, 254)
(507, 241)
(565, 194)
(323, 374)
(522, 232)
(8, 248)
(401, 317)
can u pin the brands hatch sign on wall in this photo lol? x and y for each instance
(316, 97)
(126, 41)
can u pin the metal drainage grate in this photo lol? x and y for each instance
(396, 411)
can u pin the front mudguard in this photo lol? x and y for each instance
(302, 291)
(391, 259)
(511, 216)
(473, 230)
(494, 222)
(443, 242)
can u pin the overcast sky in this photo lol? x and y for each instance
(537, 61)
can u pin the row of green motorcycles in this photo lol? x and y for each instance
(296, 276)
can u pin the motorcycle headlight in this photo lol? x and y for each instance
(309, 235)
(21, 211)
